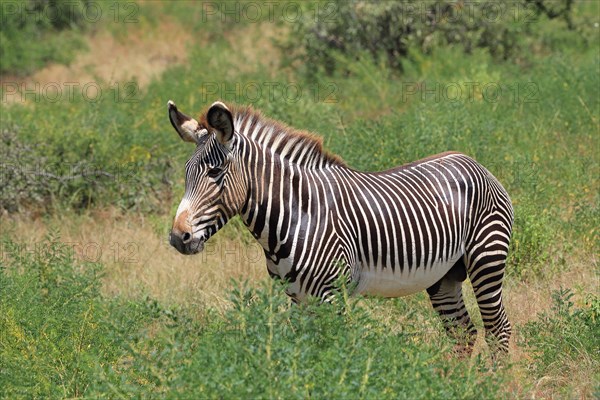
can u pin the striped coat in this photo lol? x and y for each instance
(426, 225)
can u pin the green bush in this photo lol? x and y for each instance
(263, 348)
(54, 333)
(36, 32)
(392, 29)
(19, 185)
(60, 338)
(47, 176)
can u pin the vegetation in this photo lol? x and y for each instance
(566, 339)
(36, 32)
(82, 343)
(141, 321)
(393, 29)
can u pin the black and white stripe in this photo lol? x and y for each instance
(424, 225)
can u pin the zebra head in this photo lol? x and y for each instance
(213, 192)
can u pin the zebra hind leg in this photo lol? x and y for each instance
(486, 272)
(447, 299)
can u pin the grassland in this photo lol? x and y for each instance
(94, 303)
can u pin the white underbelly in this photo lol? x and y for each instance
(378, 282)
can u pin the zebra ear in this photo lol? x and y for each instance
(187, 127)
(219, 117)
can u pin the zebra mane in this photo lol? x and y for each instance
(297, 146)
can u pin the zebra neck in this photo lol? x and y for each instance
(276, 202)
(262, 203)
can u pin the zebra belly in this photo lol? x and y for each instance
(384, 282)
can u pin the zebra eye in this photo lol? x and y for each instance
(213, 172)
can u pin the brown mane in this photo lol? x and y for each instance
(271, 130)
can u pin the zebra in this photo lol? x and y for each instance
(426, 225)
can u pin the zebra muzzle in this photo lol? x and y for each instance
(185, 243)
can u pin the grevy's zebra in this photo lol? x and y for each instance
(425, 225)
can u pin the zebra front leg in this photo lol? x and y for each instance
(447, 299)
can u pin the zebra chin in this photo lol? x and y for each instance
(195, 247)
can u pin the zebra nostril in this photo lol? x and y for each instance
(186, 237)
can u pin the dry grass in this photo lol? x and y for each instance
(253, 47)
(139, 261)
(139, 53)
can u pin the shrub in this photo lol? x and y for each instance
(19, 185)
(566, 339)
(40, 176)
(35, 32)
(265, 349)
(393, 29)
(52, 332)
(532, 245)
(59, 337)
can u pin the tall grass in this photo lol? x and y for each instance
(62, 338)
(565, 342)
